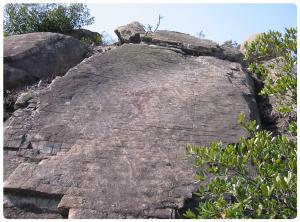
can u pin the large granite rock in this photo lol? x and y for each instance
(107, 139)
(33, 56)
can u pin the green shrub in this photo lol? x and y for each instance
(25, 18)
(98, 40)
(88, 40)
(280, 79)
(255, 178)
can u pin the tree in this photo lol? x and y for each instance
(25, 18)
(149, 27)
(257, 176)
(201, 34)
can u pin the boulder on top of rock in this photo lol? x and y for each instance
(130, 33)
(190, 44)
(135, 33)
(33, 56)
(181, 40)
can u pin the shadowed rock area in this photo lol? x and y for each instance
(107, 139)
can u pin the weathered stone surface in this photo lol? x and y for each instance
(109, 136)
(130, 33)
(30, 57)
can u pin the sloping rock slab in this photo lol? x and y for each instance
(112, 131)
(30, 57)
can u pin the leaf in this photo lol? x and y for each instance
(241, 118)
(264, 189)
(259, 209)
(190, 214)
(200, 176)
(222, 215)
(288, 178)
(236, 206)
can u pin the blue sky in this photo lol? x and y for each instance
(219, 22)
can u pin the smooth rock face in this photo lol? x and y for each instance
(130, 33)
(30, 57)
(107, 139)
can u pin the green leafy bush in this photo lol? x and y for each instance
(98, 40)
(279, 76)
(255, 178)
(86, 40)
(89, 40)
(25, 18)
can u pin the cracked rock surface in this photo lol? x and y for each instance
(107, 139)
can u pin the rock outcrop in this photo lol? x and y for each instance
(33, 56)
(135, 33)
(107, 139)
(130, 33)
